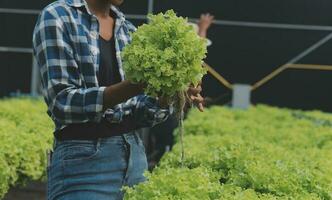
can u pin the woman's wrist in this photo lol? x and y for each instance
(121, 92)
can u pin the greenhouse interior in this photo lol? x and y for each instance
(165, 100)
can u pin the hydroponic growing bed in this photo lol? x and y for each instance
(262, 153)
(25, 135)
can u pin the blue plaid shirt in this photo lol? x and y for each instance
(65, 43)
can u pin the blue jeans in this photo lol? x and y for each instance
(95, 169)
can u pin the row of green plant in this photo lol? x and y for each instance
(25, 135)
(261, 153)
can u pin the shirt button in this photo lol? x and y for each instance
(94, 51)
(94, 35)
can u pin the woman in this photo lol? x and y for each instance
(96, 112)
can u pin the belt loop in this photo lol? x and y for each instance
(125, 138)
(126, 143)
(98, 142)
(137, 137)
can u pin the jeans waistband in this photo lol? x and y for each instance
(126, 137)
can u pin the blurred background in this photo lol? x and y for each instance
(250, 40)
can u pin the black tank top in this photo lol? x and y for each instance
(108, 75)
(109, 69)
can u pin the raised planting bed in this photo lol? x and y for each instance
(263, 153)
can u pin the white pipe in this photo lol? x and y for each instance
(150, 6)
(35, 78)
(19, 11)
(16, 49)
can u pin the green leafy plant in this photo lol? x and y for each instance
(166, 54)
(262, 153)
(25, 135)
(177, 183)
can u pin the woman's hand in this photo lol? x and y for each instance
(195, 96)
(204, 24)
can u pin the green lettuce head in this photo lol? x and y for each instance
(166, 54)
